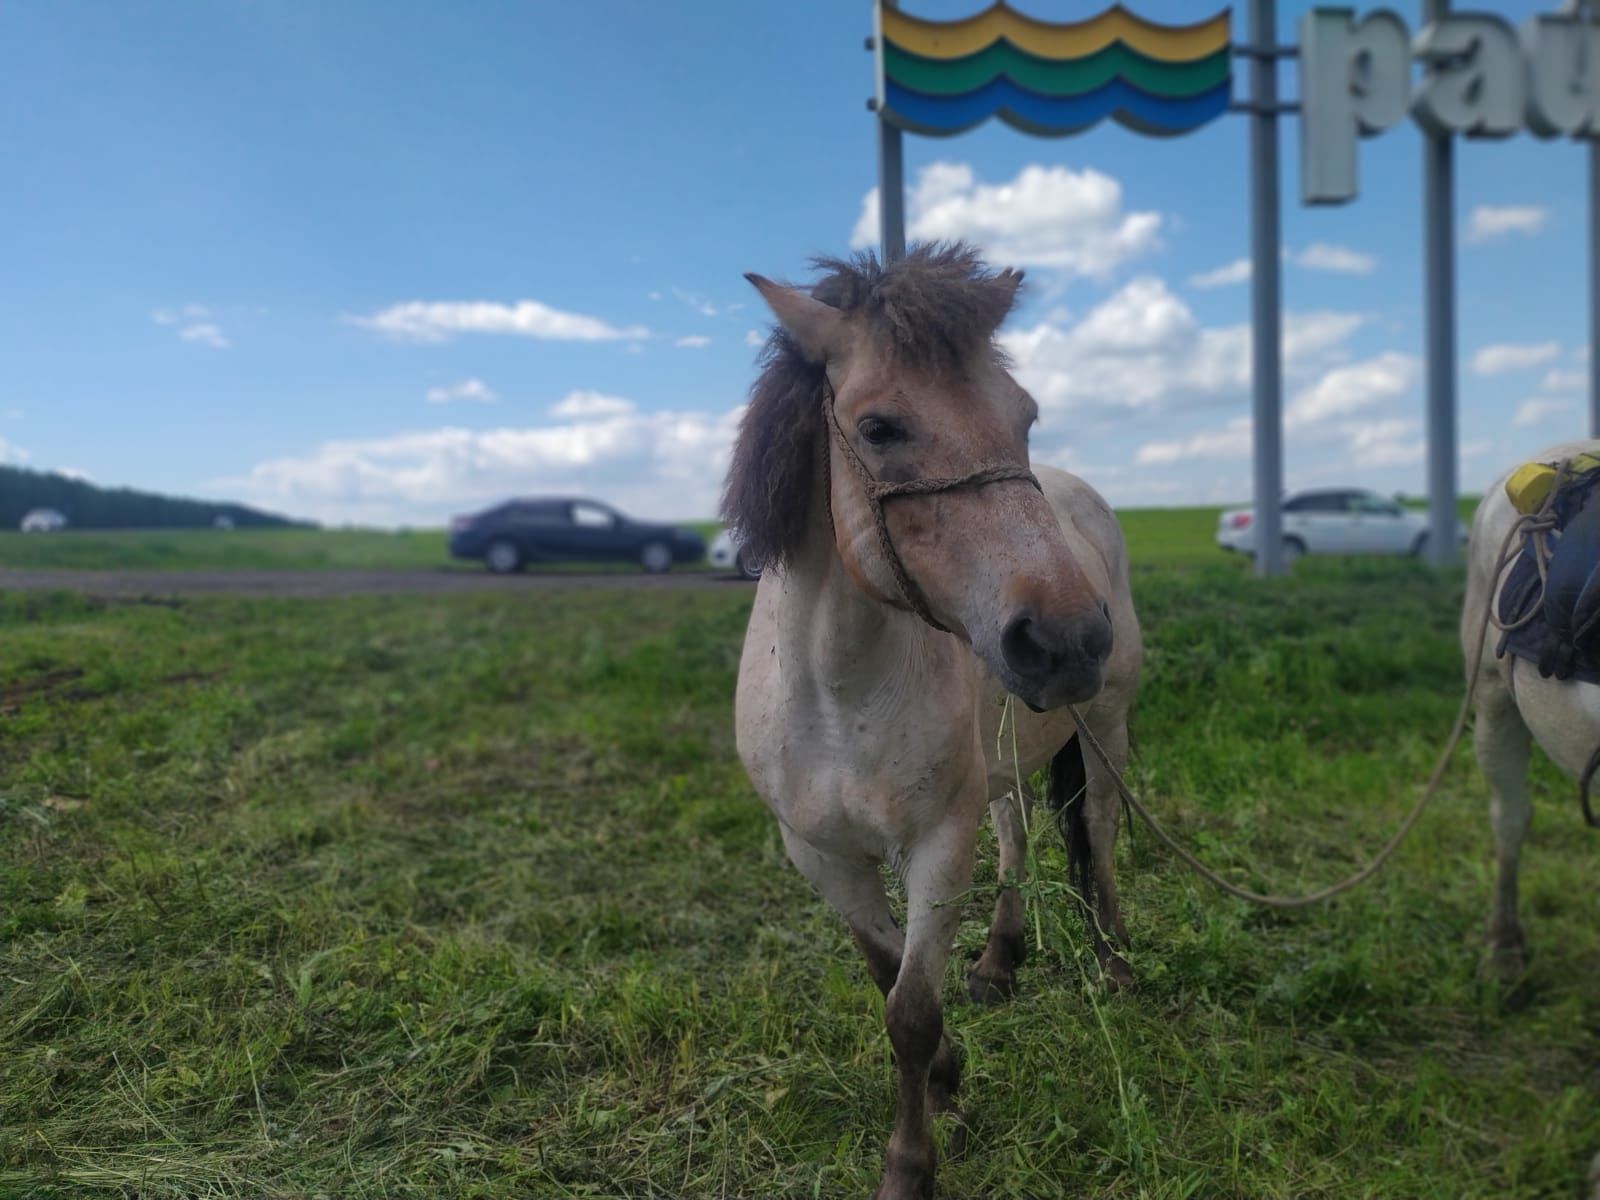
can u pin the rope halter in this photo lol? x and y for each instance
(877, 491)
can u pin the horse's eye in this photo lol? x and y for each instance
(880, 432)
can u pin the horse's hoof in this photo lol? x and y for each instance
(991, 989)
(1118, 975)
(905, 1185)
(955, 1143)
(1505, 964)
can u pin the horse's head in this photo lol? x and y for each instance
(909, 388)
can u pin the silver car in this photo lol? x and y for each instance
(1333, 521)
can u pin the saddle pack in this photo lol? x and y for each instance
(1562, 592)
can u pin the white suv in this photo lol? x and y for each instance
(1333, 521)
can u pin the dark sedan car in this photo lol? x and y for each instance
(548, 529)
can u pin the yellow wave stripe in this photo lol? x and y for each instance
(957, 39)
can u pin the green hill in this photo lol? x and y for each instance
(87, 506)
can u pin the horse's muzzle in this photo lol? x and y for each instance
(1056, 662)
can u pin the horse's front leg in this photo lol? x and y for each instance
(936, 870)
(855, 888)
(994, 976)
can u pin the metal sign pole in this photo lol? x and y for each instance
(1594, 290)
(891, 193)
(1266, 346)
(1438, 221)
(891, 167)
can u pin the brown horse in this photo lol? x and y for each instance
(917, 572)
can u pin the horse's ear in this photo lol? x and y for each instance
(816, 327)
(1010, 282)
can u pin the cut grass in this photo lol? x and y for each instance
(468, 896)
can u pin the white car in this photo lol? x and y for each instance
(726, 553)
(43, 520)
(1333, 521)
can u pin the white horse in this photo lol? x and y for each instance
(918, 571)
(1515, 707)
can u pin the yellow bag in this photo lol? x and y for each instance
(1530, 484)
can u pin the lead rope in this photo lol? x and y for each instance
(1535, 525)
(877, 492)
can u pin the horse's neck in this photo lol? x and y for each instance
(859, 653)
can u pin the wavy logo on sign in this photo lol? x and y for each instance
(943, 77)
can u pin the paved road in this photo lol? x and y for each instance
(337, 583)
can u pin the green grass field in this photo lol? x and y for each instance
(1164, 536)
(1171, 536)
(469, 897)
(264, 549)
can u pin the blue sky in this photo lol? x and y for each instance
(385, 262)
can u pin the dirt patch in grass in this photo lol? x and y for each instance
(49, 683)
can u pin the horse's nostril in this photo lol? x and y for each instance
(1023, 651)
(1094, 638)
(1041, 651)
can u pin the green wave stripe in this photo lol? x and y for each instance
(1047, 77)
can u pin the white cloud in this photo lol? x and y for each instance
(1565, 381)
(1396, 442)
(659, 464)
(1320, 412)
(1341, 260)
(1512, 356)
(1488, 221)
(197, 327)
(1141, 350)
(1231, 441)
(12, 414)
(438, 321)
(12, 453)
(1537, 408)
(696, 301)
(701, 304)
(583, 405)
(1238, 271)
(73, 473)
(173, 316)
(1069, 221)
(754, 337)
(1318, 256)
(695, 341)
(205, 334)
(1348, 389)
(468, 389)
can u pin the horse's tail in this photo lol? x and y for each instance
(1068, 798)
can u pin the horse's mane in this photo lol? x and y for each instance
(930, 310)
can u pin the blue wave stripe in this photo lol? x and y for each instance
(1053, 116)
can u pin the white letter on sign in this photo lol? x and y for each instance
(1563, 76)
(1353, 78)
(1472, 80)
